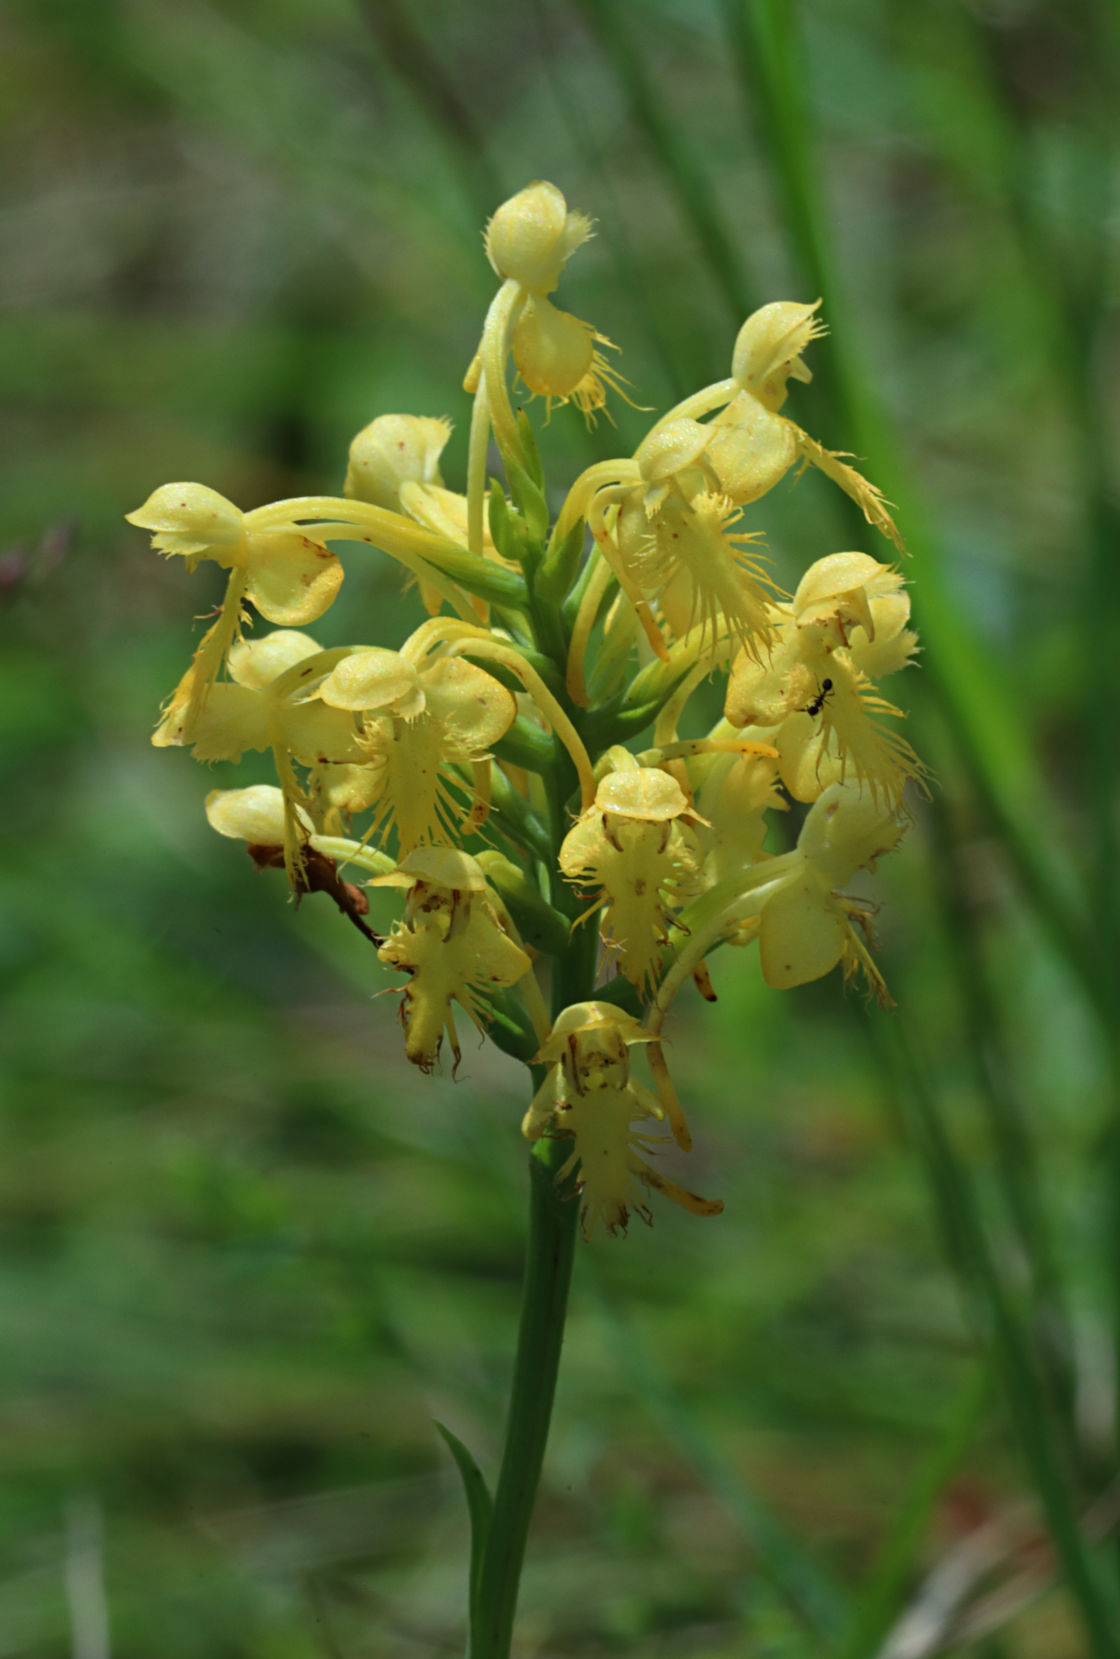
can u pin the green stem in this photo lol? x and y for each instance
(548, 1271)
(553, 1214)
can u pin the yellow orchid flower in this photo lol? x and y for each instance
(805, 925)
(289, 576)
(566, 641)
(848, 611)
(451, 943)
(271, 704)
(418, 721)
(752, 445)
(589, 1096)
(529, 240)
(636, 843)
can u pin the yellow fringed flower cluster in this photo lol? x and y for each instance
(516, 768)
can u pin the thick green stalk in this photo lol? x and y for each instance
(548, 1270)
(553, 1214)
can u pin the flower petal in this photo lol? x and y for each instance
(374, 679)
(291, 577)
(191, 519)
(257, 662)
(472, 708)
(802, 935)
(255, 814)
(234, 719)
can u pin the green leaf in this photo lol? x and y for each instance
(506, 676)
(480, 1504)
(508, 1026)
(531, 455)
(561, 563)
(526, 745)
(538, 923)
(497, 512)
(615, 724)
(530, 499)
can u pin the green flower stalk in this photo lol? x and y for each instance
(515, 770)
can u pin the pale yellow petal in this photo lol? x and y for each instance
(291, 577)
(191, 519)
(802, 934)
(374, 679)
(255, 815)
(234, 719)
(257, 662)
(472, 708)
(316, 734)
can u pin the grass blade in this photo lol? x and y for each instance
(886, 1587)
(794, 1573)
(1030, 1412)
(480, 1504)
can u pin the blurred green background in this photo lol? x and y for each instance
(246, 1254)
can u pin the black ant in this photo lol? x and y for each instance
(825, 692)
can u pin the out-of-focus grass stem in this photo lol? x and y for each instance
(1017, 1168)
(439, 96)
(687, 180)
(794, 1573)
(978, 704)
(1075, 294)
(907, 1072)
(885, 1590)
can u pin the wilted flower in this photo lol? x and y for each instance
(590, 1097)
(452, 946)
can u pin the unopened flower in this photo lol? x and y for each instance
(590, 1097)
(452, 945)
